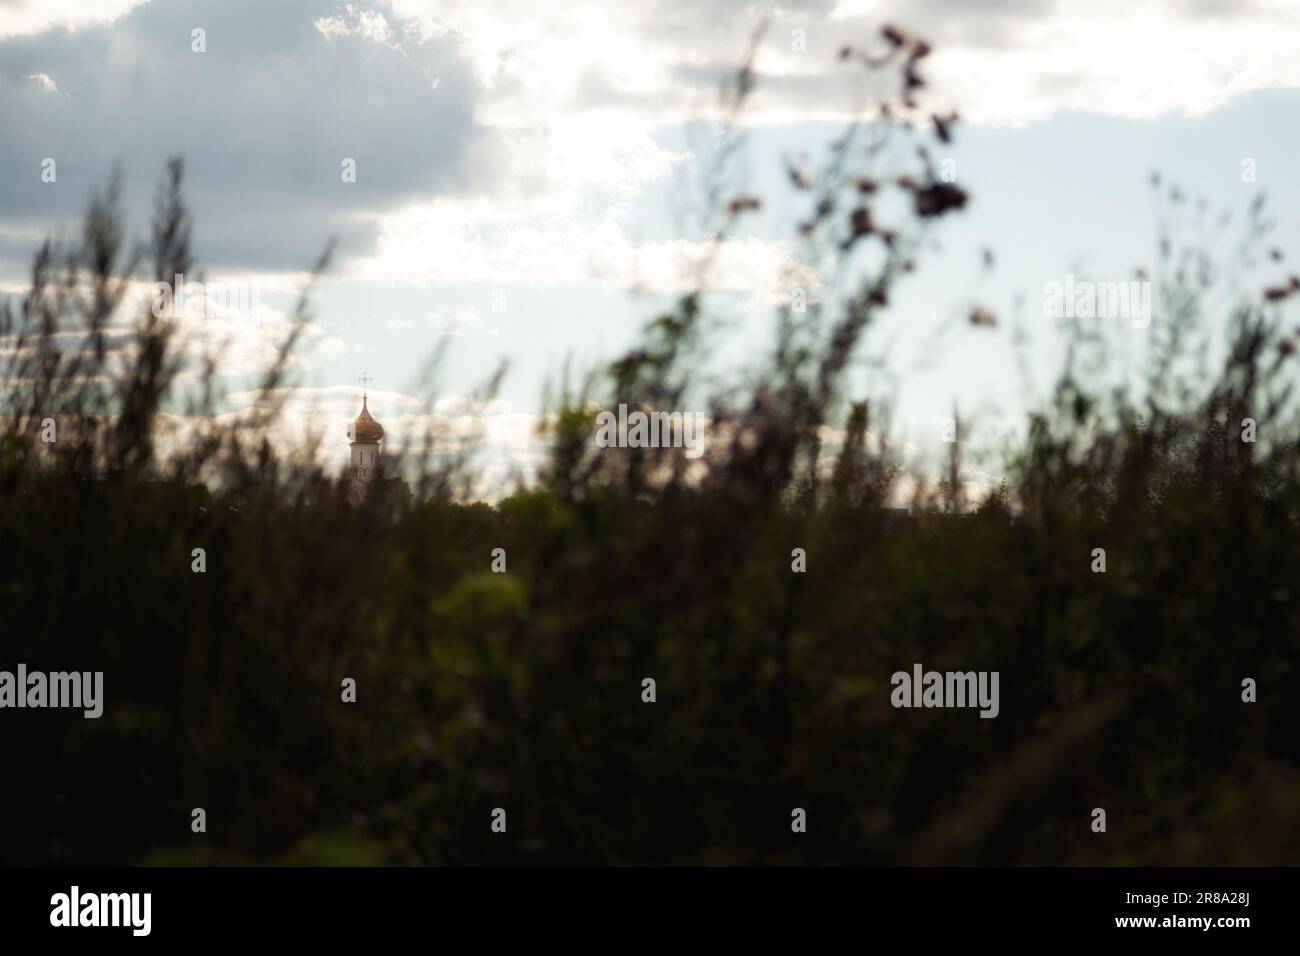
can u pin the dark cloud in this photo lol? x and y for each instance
(264, 119)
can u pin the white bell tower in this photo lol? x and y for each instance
(365, 435)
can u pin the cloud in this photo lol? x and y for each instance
(351, 21)
(998, 61)
(459, 241)
(509, 142)
(44, 81)
(265, 118)
(226, 320)
(454, 321)
(18, 17)
(1141, 61)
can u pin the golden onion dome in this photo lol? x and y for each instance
(365, 428)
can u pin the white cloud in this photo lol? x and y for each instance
(451, 241)
(1004, 62)
(454, 321)
(216, 319)
(571, 96)
(351, 21)
(1121, 59)
(44, 81)
(19, 17)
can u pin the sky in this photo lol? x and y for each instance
(522, 170)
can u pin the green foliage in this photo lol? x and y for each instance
(522, 689)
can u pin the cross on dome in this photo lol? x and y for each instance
(365, 428)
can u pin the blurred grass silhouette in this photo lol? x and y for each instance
(522, 690)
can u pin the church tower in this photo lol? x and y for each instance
(365, 434)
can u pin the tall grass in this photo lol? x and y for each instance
(523, 690)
